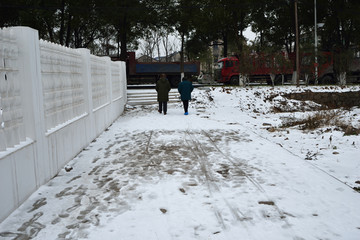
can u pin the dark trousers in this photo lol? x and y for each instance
(186, 105)
(162, 106)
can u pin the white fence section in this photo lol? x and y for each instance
(63, 85)
(53, 102)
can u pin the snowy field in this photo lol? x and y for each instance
(230, 170)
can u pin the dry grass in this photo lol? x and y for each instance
(322, 119)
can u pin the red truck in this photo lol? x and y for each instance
(261, 66)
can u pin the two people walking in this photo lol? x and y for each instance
(163, 88)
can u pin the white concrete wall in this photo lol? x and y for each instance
(54, 101)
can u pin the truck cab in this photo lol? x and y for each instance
(226, 70)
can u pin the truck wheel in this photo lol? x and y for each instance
(278, 80)
(327, 79)
(234, 80)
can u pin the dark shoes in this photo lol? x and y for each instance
(160, 112)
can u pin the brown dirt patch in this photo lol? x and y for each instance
(331, 100)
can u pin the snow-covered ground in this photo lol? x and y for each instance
(229, 170)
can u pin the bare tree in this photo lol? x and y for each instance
(165, 43)
(148, 45)
(157, 41)
(168, 40)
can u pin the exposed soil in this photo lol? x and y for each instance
(331, 100)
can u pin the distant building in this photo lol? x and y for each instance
(173, 57)
(145, 58)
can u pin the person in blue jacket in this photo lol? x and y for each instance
(185, 88)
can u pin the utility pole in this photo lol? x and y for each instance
(316, 46)
(297, 45)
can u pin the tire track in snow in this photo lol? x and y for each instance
(147, 153)
(209, 179)
(148, 143)
(233, 161)
(201, 156)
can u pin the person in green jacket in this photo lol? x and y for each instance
(185, 88)
(163, 88)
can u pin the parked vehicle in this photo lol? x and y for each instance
(148, 72)
(260, 67)
(257, 67)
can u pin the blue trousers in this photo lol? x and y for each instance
(186, 105)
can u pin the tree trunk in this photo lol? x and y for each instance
(118, 44)
(243, 80)
(68, 31)
(272, 77)
(123, 40)
(293, 79)
(165, 42)
(182, 74)
(225, 40)
(240, 42)
(342, 78)
(307, 79)
(50, 31)
(62, 23)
